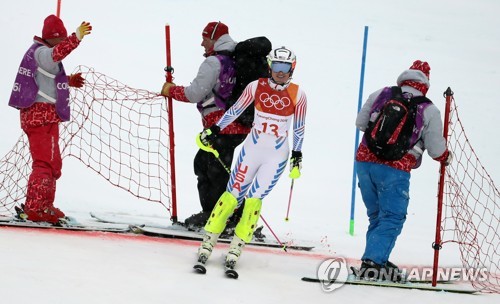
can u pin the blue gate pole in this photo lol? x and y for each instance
(356, 141)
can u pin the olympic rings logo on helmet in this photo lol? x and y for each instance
(275, 101)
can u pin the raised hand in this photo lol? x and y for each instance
(83, 30)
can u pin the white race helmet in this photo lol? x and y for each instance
(282, 54)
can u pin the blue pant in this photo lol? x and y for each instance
(385, 192)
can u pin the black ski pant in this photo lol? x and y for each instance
(212, 177)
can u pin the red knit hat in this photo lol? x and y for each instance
(53, 27)
(214, 30)
(421, 66)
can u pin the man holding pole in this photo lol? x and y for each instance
(384, 182)
(208, 90)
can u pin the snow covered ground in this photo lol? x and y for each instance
(460, 40)
(41, 266)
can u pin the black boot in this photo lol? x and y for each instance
(387, 272)
(197, 220)
(370, 270)
(394, 272)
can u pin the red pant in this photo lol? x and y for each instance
(42, 129)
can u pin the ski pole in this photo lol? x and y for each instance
(295, 173)
(274, 234)
(289, 202)
(209, 149)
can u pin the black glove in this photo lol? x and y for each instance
(209, 135)
(296, 160)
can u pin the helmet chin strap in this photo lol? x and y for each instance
(279, 86)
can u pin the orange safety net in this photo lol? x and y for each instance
(117, 131)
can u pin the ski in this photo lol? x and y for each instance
(405, 279)
(125, 220)
(183, 231)
(229, 270)
(408, 285)
(68, 223)
(231, 273)
(20, 212)
(199, 267)
(449, 281)
(196, 236)
(187, 232)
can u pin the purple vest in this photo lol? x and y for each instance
(384, 96)
(25, 87)
(227, 80)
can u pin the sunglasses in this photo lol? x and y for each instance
(283, 67)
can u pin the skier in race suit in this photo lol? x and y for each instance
(278, 104)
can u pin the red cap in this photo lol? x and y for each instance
(53, 27)
(421, 66)
(214, 30)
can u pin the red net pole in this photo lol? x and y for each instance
(169, 70)
(437, 242)
(58, 12)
